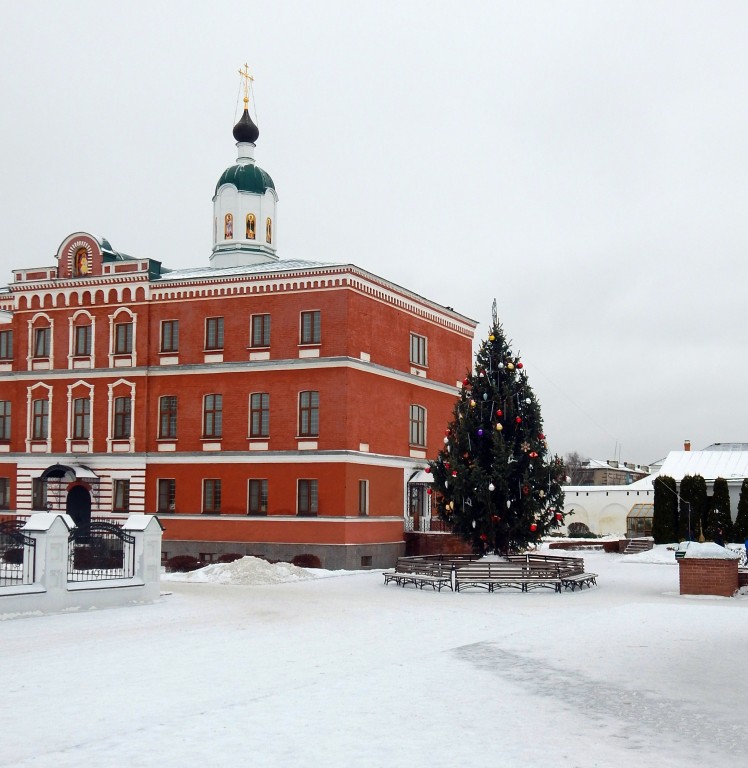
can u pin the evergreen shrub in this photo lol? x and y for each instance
(183, 564)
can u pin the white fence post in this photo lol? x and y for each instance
(147, 531)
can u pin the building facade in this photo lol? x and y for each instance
(258, 406)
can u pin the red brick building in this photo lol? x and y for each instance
(257, 405)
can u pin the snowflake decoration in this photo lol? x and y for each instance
(525, 446)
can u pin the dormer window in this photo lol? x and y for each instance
(251, 223)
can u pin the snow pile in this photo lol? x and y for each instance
(660, 554)
(250, 571)
(707, 551)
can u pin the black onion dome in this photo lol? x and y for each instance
(245, 130)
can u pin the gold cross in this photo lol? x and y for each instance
(247, 78)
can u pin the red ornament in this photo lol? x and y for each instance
(533, 527)
(541, 436)
(519, 365)
(483, 537)
(518, 419)
(447, 432)
(533, 454)
(429, 491)
(495, 518)
(499, 413)
(454, 473)
(427, 469)
(559, 516)
(466, 382)
(446, 465)
(526, 490)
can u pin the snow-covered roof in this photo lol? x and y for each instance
(710, 464)
(707, 550)
(643, 484)
(267, 267)
(727, 447)
(613, 464)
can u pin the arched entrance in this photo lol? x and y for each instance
(78, 506)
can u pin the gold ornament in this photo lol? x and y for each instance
(510, 366)
(499, 427)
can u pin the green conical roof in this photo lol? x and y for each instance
(246, 178)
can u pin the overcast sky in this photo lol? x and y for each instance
(585, 163)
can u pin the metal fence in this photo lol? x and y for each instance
(100, 551)
(17, 554)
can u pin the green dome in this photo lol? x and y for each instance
(246, 178)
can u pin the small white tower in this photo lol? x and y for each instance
(245, 202)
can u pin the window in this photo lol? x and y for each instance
(418, 349)
(268, 230)
(259, 414)
(307, 498)
(213, 333)
(41, 342)
(363, 497)
(260, 333)
(39, 493)
(81, 418)
(167, 492)
(40, 419)
(123, 338)
(6, 345)
(251, 221)
(417, 425)
(82, 341)
(310, 328)
(212, 415)
(258, 497)
(167, 416)
(121, 496)
(308, 414)
(4, 493)
(170, 336)
(211, 497)
(122, 420)
(4, 419)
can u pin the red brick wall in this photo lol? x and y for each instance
(337, 485)
(708, 577)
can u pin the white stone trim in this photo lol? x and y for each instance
(70, 441)
(31, 444)
(113, 444)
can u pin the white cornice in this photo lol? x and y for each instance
(263, 366)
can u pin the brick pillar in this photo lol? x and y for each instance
(702, 576)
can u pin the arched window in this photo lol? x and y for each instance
(250, 226)
(228, 227)
(269, 230)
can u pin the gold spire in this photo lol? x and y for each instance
(247, 81)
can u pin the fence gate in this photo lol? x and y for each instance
(17, 554)
(100, 551)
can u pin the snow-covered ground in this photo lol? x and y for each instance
(277, 670)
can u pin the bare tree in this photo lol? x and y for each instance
(574, 463)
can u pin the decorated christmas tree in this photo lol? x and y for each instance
(494, 481)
